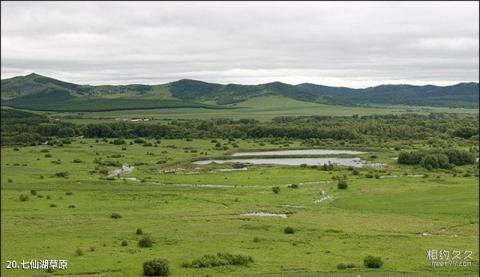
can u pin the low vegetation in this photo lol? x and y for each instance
(373, 262)
(156, 267)
(221, 259)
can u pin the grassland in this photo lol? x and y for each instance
(194, 210)
(260, 108)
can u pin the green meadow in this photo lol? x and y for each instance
(191, 210)
(261, 108)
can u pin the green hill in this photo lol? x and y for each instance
(37, 92)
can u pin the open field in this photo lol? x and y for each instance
(191, 210)
(260, 108)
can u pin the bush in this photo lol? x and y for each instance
(92, 248)
(124, 243)
(116, 215)
(139, 140)
(71, 206)
(145, 242)
(156, 267)
(293, 186)
(62, 174)
(68, 193)
(79, 252)
(53, 205)
(119, 141)
(276, 190)
(342, 184)
(341, 266)
(139, 231)
(221, 259)
(33, 192)
(372, 262)
(23, 197)
(413, 157)
(289, 230)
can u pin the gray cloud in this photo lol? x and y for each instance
(348, 44)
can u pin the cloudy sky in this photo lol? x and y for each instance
(340, 44)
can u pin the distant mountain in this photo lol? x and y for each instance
(37, 92)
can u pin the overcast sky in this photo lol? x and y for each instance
(339, 44)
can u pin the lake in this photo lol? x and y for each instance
(299, 152)
(354, 162)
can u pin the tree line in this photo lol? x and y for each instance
(19, 127)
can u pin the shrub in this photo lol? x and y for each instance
(257, 239)
(289, 230)
(350, 265)
(23, 197)
(276, 190)
(77, 161)
(369, 175)
(139, 140)
(139, 231)
(68, 193)
(355, 172)
(79, 252)
(372, 262)
(62, 174)
(33, 192)
(119, 141)
(48, 155)
(221, 259)
(341, 266)
(342, 184)
(116, 215)
(92, 248)
(413, 157)
(145, 242)
(53, 205)
(71, 206)
(293, 186)
(124, 243)
(156, 267)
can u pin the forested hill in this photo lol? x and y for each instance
(38, 92)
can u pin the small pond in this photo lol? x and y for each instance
(354, 162)
(299, 152)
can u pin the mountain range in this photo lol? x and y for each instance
(37, 92)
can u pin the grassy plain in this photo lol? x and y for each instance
(261, 108)
(192, 210)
